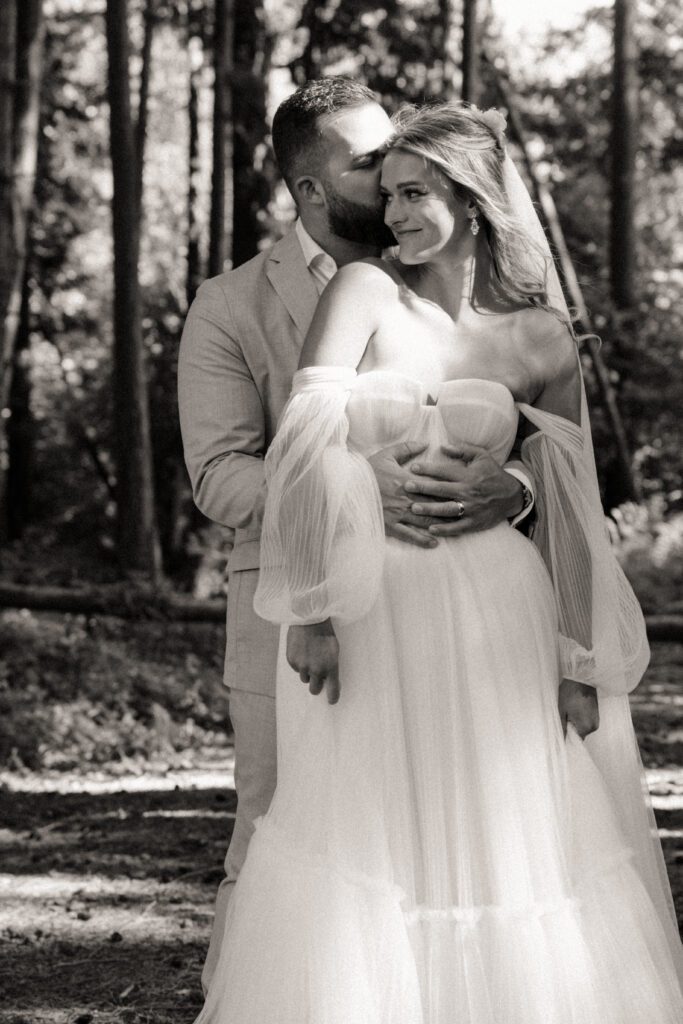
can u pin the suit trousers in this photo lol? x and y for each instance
(251, 653)
(253, 720)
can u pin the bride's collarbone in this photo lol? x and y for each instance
(432, 359)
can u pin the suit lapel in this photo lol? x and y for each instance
(289, 276)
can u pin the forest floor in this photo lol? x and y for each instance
(108, 879)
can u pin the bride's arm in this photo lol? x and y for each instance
(323, 515)
(603, 641)
(347, 315)
(559, 380)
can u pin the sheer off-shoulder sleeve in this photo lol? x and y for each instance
(602, 630)
(322, 542)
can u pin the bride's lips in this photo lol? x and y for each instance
(409, 231)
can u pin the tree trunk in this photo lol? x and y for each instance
(22, 32)
(623, 248)
(20, 437)
(9, 309)
(306, 66)
(138, 547)
(145, 71)
(470, 52)
(253, 46)
(194, 269)
(221, 223)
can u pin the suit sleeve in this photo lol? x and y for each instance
(221, 415)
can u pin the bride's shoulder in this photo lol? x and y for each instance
(546, 344)
(370, 271)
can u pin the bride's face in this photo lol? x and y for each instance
(420, 208)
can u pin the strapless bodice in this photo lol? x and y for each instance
(386, 406)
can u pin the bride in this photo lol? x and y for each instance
(439, 849)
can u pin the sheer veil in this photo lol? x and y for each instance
(602, 631)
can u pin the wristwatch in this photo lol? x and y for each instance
(527, 501)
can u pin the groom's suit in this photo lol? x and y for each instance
(238, 354)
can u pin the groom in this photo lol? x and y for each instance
(239, 351)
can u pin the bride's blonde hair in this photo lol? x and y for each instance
(468, 146)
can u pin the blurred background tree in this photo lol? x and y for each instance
(204, 77)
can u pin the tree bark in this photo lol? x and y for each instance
(470, 52)
(253, 47)
(145, 72)
(138, 547)
(623, 243)
(194, 270)
(9, 309)
(221, 222)
(22, 32)
(449, 73)
(20, 430)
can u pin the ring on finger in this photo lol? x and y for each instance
(460, 510)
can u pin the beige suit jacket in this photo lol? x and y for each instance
(238, 354)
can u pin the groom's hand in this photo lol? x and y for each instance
(313, 652)
(463, 490)
(578, 706)
(389, 467)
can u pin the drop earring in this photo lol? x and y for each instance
(474, 225)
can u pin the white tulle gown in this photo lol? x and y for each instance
(436, 851)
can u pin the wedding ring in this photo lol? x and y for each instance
(461, 509)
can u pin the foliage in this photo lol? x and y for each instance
(80, 691)
(405, 50)
(569, 114)
(650, 547)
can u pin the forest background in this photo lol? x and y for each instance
(136, 162)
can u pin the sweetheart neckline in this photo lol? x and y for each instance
(453, 380)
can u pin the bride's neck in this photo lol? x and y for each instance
(460, 282)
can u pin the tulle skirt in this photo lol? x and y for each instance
(436, 851)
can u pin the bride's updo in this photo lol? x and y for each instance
(468, 146)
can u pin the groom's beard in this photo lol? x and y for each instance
(357, 223)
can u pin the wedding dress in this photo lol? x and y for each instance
(436, 851)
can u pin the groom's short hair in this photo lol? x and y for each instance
(296, 133)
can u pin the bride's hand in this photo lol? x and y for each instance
(313, 652)
(578, 705)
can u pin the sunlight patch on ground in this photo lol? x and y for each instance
(95, 909)
(666, 789)
(60, 886)
(200, 813)
(217, 775)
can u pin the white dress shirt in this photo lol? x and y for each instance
(321, 265)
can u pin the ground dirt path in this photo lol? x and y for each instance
(107, 894)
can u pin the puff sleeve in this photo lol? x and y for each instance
(322, 544)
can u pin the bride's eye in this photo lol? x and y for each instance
(414, 193)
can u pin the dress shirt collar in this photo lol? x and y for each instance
(320, 263)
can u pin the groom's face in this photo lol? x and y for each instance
(353, 141)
